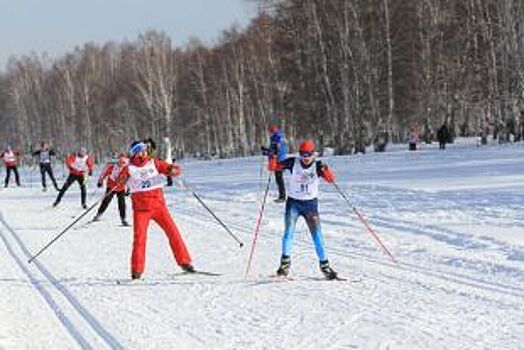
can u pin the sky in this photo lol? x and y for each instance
(57, 26)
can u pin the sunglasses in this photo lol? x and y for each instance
(305, 154)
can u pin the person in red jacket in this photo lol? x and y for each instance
(145, 178)
(111, 172)
(303, 201)
(9, 158)
(80, 165)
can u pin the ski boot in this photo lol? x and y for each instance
(188, 268)
(136, 275)
(96, 218)
(328, 272)
(84, 206)
(124, 222)
(285, 264)
(280, 200)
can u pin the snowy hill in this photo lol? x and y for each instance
(454, 219)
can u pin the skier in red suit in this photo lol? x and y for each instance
(9, 157)
(111, 172)
(80, 166)
(145, 178)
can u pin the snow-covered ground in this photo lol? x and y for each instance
(454, 219)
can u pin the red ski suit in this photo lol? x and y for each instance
(111, 182)
(149, 204)
(71, 163)
(9, 158)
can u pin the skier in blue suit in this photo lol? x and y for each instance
(278, 148)
(303, 201)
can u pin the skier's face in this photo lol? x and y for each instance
(306, 157)
(122, 161)
(141, 154)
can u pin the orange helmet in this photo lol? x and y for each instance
(307, 147)
(273, 129)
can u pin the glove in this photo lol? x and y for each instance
(265, 150)
(273, 164)
(90, 172)
(169, 181)
(128, 192)
(328, 175)
(175, 170)
(98, 184)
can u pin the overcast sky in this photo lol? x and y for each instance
(57, 26)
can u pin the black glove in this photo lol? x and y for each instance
(265, 150)
(169, 181)
(128, 193)
(99, 184)
(90, 172)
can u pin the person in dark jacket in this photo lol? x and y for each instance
(44, 154)
(443, 135)
(278, 148)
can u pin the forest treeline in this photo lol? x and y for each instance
(341, 72)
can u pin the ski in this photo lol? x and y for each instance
(341, 279)
(86, 224)
(282, 278)
(278, 278)
(198, 272)
(130, 281)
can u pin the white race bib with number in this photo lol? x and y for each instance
(304, 182)
(144, 178)
(80, 163)
(9, 157)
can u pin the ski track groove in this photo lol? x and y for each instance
(449, 277)
(466, 341)
(71, 303)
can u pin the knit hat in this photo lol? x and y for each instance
(137, 147)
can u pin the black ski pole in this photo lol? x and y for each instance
(68, 227)
(214, 215)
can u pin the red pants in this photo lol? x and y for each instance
(159, 213)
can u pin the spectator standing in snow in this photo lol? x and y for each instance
(9, 157)
(278, 148)
(80, 166)
(443, 136)
(413, 139)
(303, 201)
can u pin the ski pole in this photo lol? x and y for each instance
(213, 214)
(257, 228)
(366, 224)
(69, 227)
(261, 174)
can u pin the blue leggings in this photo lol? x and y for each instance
(309, 210)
